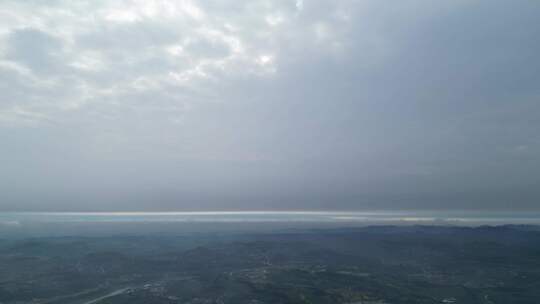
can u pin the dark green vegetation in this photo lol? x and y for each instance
(362, 265)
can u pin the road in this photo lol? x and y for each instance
(112, 294)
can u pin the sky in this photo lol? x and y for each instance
(156, 105)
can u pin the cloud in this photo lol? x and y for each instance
(34, 49)
(281, 104)
(104, 50)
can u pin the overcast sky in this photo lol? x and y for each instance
(269, 105)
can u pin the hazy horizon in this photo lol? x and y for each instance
(59, 224)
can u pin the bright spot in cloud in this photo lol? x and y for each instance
(121, 16)
(264, 60)
(274, 20)
(175, 50)
(299, 4)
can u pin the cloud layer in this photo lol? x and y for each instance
(182, 105)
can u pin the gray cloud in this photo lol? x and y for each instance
(175, 105)
(34, 49)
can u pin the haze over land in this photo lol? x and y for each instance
(269, 105)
